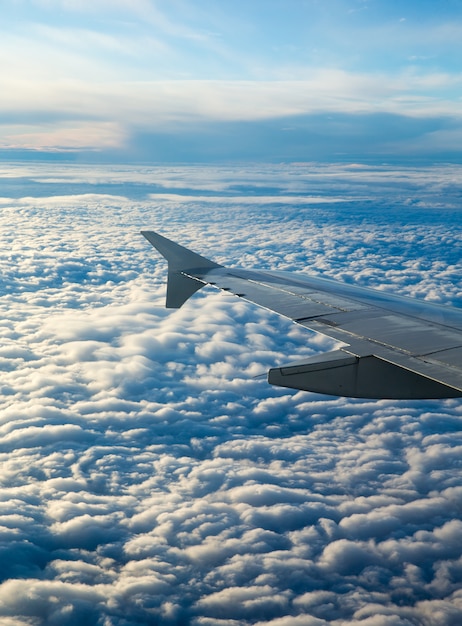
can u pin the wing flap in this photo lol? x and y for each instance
(451, 357)
(404, 333)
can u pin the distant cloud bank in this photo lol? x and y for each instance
(205, 82)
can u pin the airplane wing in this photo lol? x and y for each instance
(396, 347)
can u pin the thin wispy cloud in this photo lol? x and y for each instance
(148, 67)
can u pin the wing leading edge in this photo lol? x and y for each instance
(397, 347)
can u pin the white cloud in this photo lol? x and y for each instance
(146, 475)
(65, 137)
(103, 115)
(151, 103)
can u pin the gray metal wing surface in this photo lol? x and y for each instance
(396, 347)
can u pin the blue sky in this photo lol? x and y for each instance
(205, 80)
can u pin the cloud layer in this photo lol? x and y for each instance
(148, 474)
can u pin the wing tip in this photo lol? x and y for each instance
(178, 257)
(181, 261)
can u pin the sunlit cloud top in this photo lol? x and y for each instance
(98, 76)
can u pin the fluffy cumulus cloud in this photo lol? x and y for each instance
(149, 475)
